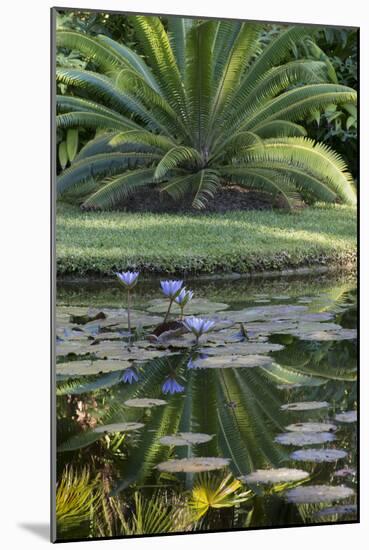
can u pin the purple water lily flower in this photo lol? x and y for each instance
(129, 376)
(171, 289)
(183, 298)
(128, 278)
(171, 386)
(198, 326)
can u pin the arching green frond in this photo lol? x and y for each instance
(248, 99)
(119, 188)
(297, 103)
(273, 54)
(178, 28)
(142, 137)
(265, 180)
(235, 142)
(89, 119)
(204, 186)
(198, 80)
(155, 43)
(101, 88)
(179, 186)
(100, 166)
(178, 156)
(224, 36)
(244, 47)
(156, 107)
(104, 143)
(66, 104)
(90, 47)
(315, 158)
(132, 60)
(280, 128)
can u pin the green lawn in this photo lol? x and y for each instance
(100, 243)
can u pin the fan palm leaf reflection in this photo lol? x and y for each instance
(211, 406)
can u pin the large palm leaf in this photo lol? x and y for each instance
(206, 105)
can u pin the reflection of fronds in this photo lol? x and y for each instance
(76, 495)
(141, 516)
(211, 491)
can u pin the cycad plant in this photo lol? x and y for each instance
(207, 105)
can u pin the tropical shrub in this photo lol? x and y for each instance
(208, 105)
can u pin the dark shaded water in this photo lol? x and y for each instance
(157, 436)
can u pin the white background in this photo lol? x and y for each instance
(24, 195)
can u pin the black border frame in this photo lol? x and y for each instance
(53, 279)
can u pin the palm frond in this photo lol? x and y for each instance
(280, 128)
(198, 81)
(118, 188)
(317, 159)
(178, 27)
(100, 166)
(155, 43)
(176, 157)
(297, 103)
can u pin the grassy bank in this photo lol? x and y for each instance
(100, 243)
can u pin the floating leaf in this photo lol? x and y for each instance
(345, 472)
(244, 348)
(318, 493)
(314, 427)
(329, 336)
(275, 475)
(305, 406)
(144, 402)
(318, 455)
(195, 307)
(341, 510)
(347, 417)
(270, 313)
(300, 439)
(193, 465)
(85, 368)
(77, 347)
(185, 438)
(119, 427)
(233, 361)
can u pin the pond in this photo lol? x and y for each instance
(253, 426)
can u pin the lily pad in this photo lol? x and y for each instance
(305, 406)
(263, 313)
(314, 494)
(85, 368)
(119, 427)
(318, 455)
(341, 510)
(233, 361)
(345, 472)
(275, 475)
(144, 402)
(77, 347)
(195, 307)
(299, 439)
(244, 348)
(315, 427)
(185, 438)
(193, 465)
(118, 350)
(329, 336)
(347, 417)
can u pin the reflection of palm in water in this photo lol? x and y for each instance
(240, 407)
